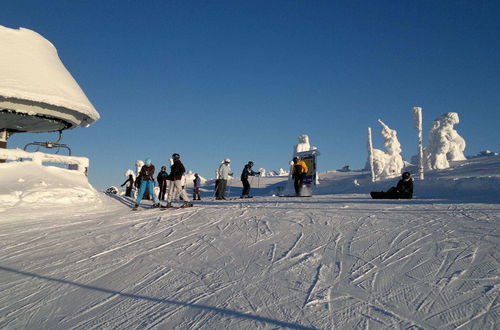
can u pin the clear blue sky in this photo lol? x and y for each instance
(242, 79)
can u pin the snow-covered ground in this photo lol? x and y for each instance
(81, 259)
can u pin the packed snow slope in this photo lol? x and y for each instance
(335, 260)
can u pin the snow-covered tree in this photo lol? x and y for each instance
(444, 143)
(388, 164)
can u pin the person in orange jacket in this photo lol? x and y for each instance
(299, 171)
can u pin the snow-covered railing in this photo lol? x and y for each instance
(80, 164)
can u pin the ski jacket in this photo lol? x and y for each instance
(177, 170)
(147, 172)
(162, 176)
(197, 182)
(300, 168)
(405, 186)
(224, 171)
(247, 171)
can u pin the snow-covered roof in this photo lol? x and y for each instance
(34, 81)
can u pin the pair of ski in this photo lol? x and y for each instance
(232, 198)
(163, 208)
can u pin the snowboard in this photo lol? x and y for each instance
(389, 195)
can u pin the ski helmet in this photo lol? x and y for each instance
(227, 160)
(295, 159)
(147, 161)
(406, 175)
(176, 156)
(250, 163)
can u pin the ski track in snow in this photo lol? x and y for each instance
(264, 263)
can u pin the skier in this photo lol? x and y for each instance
(146, 176)
(244, 179)
(162, 182)
(129, 185)
(177, 170)
(223, 172)
(299, 172)
(196, 187)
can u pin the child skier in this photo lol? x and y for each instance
(196, 187)
(177, 170)
(146, 176)
(247, 171)
(129, 185)
(162, 183)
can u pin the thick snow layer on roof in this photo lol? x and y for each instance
(30, 69)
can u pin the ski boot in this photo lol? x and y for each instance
(187, 204)
(135, 207)
(156, 205)
(168, 205)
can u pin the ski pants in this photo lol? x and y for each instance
(298, 182)
(163, 190)
(196, 193)
(246, 187)
(146, 184)
(221, 189)
(174, 186)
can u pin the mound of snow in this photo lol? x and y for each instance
(33, 186)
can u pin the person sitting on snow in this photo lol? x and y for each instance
(404, 188)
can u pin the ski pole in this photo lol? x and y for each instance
(229, 189)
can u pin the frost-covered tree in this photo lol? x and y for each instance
(444, 143)
(388, 164)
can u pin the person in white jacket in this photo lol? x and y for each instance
(223, 173)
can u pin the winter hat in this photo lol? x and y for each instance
(147, 161)
(250, 163)
(406, 175)
(176, 156)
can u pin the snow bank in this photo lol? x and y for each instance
(28, 185)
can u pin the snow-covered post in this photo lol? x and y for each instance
(370, 153)
(3, 141)
(417, 120)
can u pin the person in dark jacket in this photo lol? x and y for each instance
(147, 182)
(196, 187)
(247, 171)
(177, 170)
(129, 185)
(161, 178)
(404, 188)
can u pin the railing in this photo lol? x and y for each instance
(80, 164)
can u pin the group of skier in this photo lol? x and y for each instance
(173, 182)
(145, 183)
